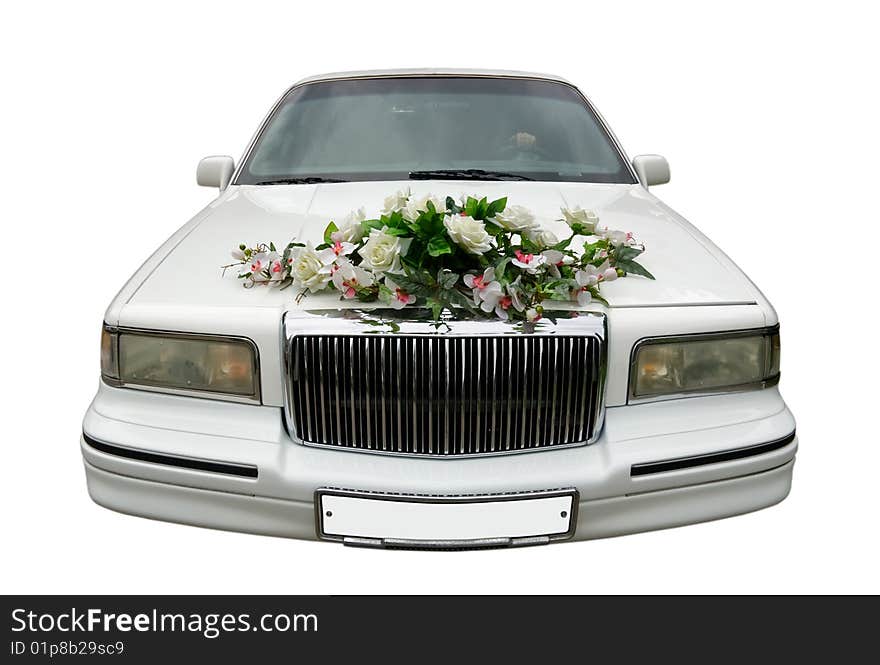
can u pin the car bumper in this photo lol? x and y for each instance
(232, 466)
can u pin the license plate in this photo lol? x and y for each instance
(389, 519)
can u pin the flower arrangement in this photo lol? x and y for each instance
(489, 258)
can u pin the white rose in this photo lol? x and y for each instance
(396, 201)
(307, 269)
(351, 227)
(542, 238)
(516, 218)
(381, 252)
(416, 205)
(468, 233)
(578, 215)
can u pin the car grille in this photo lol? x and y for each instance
(444, 395)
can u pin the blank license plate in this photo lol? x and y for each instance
(437, 520)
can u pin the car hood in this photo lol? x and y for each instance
(689, 269)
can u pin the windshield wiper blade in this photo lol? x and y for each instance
(465, 174)
(308, 180)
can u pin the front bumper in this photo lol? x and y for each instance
(620, 488)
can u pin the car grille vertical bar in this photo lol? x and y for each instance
(444, 395)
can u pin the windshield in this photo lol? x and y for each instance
(399, 128)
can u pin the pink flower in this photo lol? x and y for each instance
(399, 297)
(529, 262)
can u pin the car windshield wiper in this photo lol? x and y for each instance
(465, 174)
(308, 180)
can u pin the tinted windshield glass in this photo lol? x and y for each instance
(387, 128)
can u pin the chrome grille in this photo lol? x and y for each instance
(444, 395)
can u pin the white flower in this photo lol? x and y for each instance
(584, 297)
(307, 269)
(468, 233)
(399, 297)
(351, 227)
(529, 262)
(237, 254)
(616, 238)
(381, 253)
(514, 293)
(277, 269)
(336, 251)
(348, 277)
(610, 274)
(258, 263)
(578, 215)
(589, 276)
(396, 201)
(532, 315)
(516, 219)
(414, 206)
(542, 238)
(553, 256)
(264, 267)
(504, 303)
(486, 291)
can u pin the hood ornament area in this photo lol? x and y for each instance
(484, 258)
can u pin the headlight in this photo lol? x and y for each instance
(705, 363)
(180, 362)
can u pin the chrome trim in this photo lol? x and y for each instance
(632, 398)
(602, 122)
(451, 498)
(381, 322)
(256, 398)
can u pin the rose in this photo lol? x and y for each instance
(307, 269)
(581, 221)
(516, 219)
(396, 201)
(351, 228)
(468, 233)
(381, 252)
(541, 238)
(415, 206)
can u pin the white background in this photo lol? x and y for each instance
(768, 113)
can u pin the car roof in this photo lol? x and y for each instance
(429, 71)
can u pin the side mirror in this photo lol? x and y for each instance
(215, 171)
(651, 169)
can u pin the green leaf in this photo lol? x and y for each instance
(396, 231)
(597, 296)
(452, 206)
(493, 229)
(500, 267)
(498, 205)
(470, 207)
(439, 245)
(436, 307)
(563, 244)
(627, 252)
(634, 268)
(330, 230)
(448, 279)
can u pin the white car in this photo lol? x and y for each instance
(342, 415)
